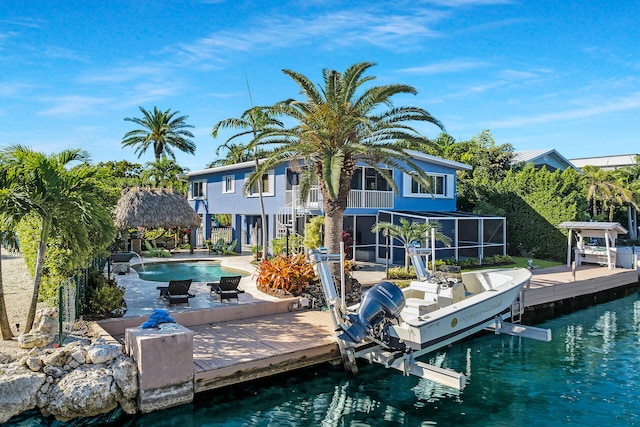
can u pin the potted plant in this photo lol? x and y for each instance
(256, 250)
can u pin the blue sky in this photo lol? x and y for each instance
(537, 74)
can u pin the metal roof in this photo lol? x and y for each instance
(580, 225)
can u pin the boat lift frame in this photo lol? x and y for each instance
(377, 352)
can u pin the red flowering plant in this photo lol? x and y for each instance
(285, 276)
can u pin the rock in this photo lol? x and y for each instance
(129, 406)
(18, 390)
(57, 357)
(73, 364)
(83, 392)
(53, 371)
(79, 356)
(125, 374)
(103, 353)
(35, 339)
(48, 323)
(34, 363)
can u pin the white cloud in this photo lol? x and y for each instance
(445, 67)
(631, 102)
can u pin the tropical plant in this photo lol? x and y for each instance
(250, 123)
(336, 128)
(9, 215)
(70, 203)
(284, 276)
(313, 232)
(165, 173)
(407, 232)
(605, 192)
(293, 242)
(160, 130)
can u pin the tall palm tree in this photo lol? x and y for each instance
(408, 232)
(70, 202)
(251, 122)
(604, 191)
(337, 127)
(160, 130)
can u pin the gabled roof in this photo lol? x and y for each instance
(539, 157)
(415, 154)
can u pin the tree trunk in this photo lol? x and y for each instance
(5, 328)
(42, 248)
(263, 216)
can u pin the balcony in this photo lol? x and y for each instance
(372, 199)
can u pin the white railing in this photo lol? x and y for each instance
(357, 199)
(370, 199)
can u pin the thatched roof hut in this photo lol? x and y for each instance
(153, 208)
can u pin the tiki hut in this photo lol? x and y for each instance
(153, 208)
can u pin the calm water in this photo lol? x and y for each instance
(199, 271)
(589, 375)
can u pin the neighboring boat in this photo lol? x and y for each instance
(393, 326)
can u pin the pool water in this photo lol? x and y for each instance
(198, 271)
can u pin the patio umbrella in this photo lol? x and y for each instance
(154, 208)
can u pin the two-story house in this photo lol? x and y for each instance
(220, 191)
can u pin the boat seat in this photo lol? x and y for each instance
(416, 307)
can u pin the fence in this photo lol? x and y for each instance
(72, 291)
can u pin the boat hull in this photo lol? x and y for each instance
(446, 325)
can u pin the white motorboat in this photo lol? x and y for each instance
(393, 326)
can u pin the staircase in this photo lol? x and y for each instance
(287, 217)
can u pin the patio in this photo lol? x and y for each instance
(142, 297)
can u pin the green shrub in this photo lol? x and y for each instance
(103, 296)
(280, 244)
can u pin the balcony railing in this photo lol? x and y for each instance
(357, 199)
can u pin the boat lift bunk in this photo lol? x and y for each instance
(369, 330)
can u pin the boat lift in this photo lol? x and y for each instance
(376, 351)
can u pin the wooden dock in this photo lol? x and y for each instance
(236, 351)
(229, 352)
(554, 284)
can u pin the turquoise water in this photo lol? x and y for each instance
(589, 375)
(198, 271)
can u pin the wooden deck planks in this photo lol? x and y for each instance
(557, 283)
(235, 351)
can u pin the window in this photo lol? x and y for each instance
(370, 179)
(228, 184)
(267, 185)
(197, 190)
(441, 186)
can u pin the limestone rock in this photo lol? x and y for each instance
(53, 371)
(125, 374)
(83, 392)
(103, 353)
(48, 321)
(18, 390)
(35, 339)
(34, 363)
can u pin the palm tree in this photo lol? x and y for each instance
(162, 130)
(70, 203)
(603, 190)
(336, 128)
(251, 122)
(9, 206)
(408, 232)
(164, 173)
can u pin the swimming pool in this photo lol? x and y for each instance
(198, 271)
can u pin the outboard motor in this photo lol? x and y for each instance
(383, 300)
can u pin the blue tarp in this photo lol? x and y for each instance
(157, 317)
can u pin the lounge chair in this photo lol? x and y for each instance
(231, 249)
(156, 252)
(177, 292)
(226, 288)
(217, 247)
